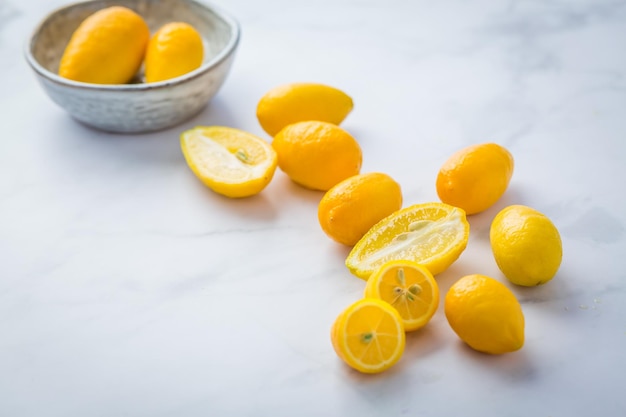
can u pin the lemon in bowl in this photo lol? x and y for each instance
(135, 106)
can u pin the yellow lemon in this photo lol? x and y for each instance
(229, 161)
(349, 209)
(475, 177)
(485, 314)
(409, 287)
(174, 50)
(431, 234)
(107, 48)
(317, 155)
(368, 336)
(299, 102)
(526, 245)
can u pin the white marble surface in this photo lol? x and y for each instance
(129, 289)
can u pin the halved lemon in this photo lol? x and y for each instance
(369, 336)
(431, 234)
(229, 161)
(409, 287)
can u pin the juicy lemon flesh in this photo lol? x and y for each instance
(410, 288)
(229, 161)
(431, 234)
(369, 336)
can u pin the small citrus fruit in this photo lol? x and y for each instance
(368, 336)
(317, 155)
(174, 50)
(526, 245)
(107, 48)
(409, 287)
(485, 314)
(349, 209)
(230, 161)
(299, 102)
(431, 234)
(475, 177)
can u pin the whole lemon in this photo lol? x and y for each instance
(485, 314)
(298, 102)
(107, 48)
(349, 209)
(174, 50)
(317, 155)
(526, 245)
(475, 177)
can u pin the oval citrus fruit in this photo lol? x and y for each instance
(526, 245)
(349, 209)
(475, 177)
(485, 314)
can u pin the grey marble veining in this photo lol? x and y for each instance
(128, 288)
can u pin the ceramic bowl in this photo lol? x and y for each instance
(137, 106)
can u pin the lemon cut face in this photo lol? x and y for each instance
(229, 161)
(368, 336)
(408, 287)
(431, 234)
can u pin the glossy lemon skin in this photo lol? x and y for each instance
(317, 155)
(107, 48)
(526, 245)
(349, 209)
(485, 314)
(174, 50)
(298, 102)
(475, 177)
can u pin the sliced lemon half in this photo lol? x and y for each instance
(229, 161)
(409, 287)
(369, 336)
(431, 234)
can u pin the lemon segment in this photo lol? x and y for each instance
(431, 234)
(230, 161)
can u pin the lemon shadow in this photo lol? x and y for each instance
(480, 223)
(424, 342)
(290, 189)
(513, 366)
(142, 150)
(256, 207)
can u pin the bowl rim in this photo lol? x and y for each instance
(235, 32)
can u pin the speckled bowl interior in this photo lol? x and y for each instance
(137, 106)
